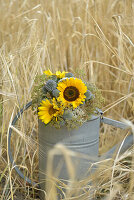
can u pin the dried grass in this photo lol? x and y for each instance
(93, 39)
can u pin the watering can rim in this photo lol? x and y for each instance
(93, 117)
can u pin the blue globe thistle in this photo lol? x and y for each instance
(50, 85)
(88, 95)
(55, 93)
(69, 74)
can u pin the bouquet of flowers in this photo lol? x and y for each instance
(61, 99)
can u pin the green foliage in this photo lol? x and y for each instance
(74, 123)
(95, 103)
(37, 92)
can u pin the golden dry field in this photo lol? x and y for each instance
(94, 39)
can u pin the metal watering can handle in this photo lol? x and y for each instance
(114, 123)
(128, 140)
(9, 145)
(103, 120)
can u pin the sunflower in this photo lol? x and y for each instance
(48, 110)
(58, 74)
(72, 92)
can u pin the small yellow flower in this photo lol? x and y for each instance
(48, 110)
(59, 74)
(48, 72)
(72, 92)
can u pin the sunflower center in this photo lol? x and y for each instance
(71, 93)
(52, 110)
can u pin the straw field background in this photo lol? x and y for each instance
(94, 39)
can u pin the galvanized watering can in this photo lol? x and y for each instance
(84, 140)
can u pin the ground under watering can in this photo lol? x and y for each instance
(84, 140)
